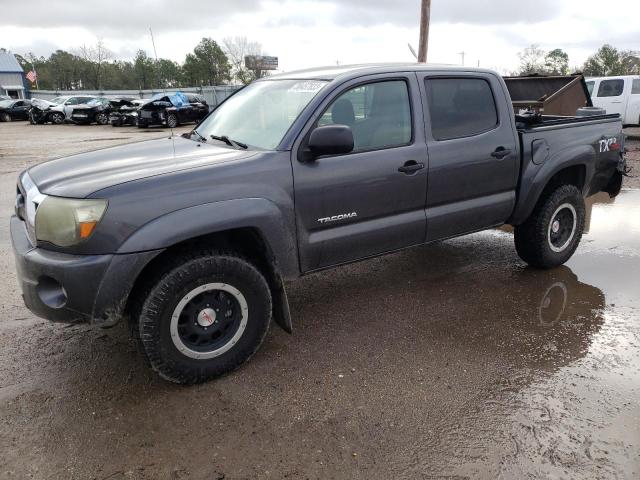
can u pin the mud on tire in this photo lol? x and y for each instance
(171, 341)
(551, 234)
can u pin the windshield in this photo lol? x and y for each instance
(260, 114)
(58, 100)
(97, 101)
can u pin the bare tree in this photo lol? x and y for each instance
(236, 49)
(532, 60)
(96, 56)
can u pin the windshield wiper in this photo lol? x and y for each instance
(228, 141)
(202, 139)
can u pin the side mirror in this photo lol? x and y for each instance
(331, 140)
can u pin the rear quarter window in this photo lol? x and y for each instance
(635, 87)
(611, 88)
(460, 107)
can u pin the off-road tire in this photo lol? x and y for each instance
(56, 118)
(172, 120)
(181, 276)
(533, 237)
(5, 117)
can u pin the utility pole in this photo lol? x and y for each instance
(425, 15)
(462, 55)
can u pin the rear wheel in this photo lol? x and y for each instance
(208, 314)
(552, 233)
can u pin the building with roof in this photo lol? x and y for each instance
(12, 80)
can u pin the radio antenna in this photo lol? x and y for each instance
(164, 90)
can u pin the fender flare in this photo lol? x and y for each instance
(537, 177)
(276, 230)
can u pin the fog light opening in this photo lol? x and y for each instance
(51, 293)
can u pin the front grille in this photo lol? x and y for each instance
(20, 203)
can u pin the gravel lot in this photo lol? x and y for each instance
(447, 361)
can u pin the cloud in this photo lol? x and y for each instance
(122, 17)
(407, 12)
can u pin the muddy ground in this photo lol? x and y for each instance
(448, 361)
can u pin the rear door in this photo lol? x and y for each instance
(632, 113)
(369, 201)
(611, 95)
(473, 153)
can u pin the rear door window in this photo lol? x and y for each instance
(460, 107)
(611, 88)
(635, 87)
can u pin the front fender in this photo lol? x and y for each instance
(185, 224)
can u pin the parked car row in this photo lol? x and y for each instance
(170, 110)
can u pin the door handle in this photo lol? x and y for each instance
(411, 167)
(500, 152)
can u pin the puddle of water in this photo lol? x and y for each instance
(583, 419)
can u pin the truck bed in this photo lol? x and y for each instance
(531, 122)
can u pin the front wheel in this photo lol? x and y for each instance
(172, 120)
(57, 118)
(5, 117)
(550, 236)
(102, 118)
(208, 314)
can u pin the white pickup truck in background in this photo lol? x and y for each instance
(617, 95)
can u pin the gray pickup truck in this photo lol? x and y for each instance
(191, 238)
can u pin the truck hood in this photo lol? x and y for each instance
(81, 175)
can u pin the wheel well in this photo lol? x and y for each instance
(574, 175)
(247, 242)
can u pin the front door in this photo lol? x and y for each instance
(369, 201)
(473, 154)
(21, 110)
(611, 96)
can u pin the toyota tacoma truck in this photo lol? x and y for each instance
(192, 238)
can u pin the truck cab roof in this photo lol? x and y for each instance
(345, 71)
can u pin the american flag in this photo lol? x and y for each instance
(31, 76)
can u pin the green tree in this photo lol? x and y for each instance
(169, 73)
(64, 70)
(606, 61)
(207, 65)
(556, 62)
(145, 70)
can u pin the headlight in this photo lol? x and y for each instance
(67, 221)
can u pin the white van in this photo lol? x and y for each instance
(617, 95)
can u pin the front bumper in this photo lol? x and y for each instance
(73, 288)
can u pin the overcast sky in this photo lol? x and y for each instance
(322, 32)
